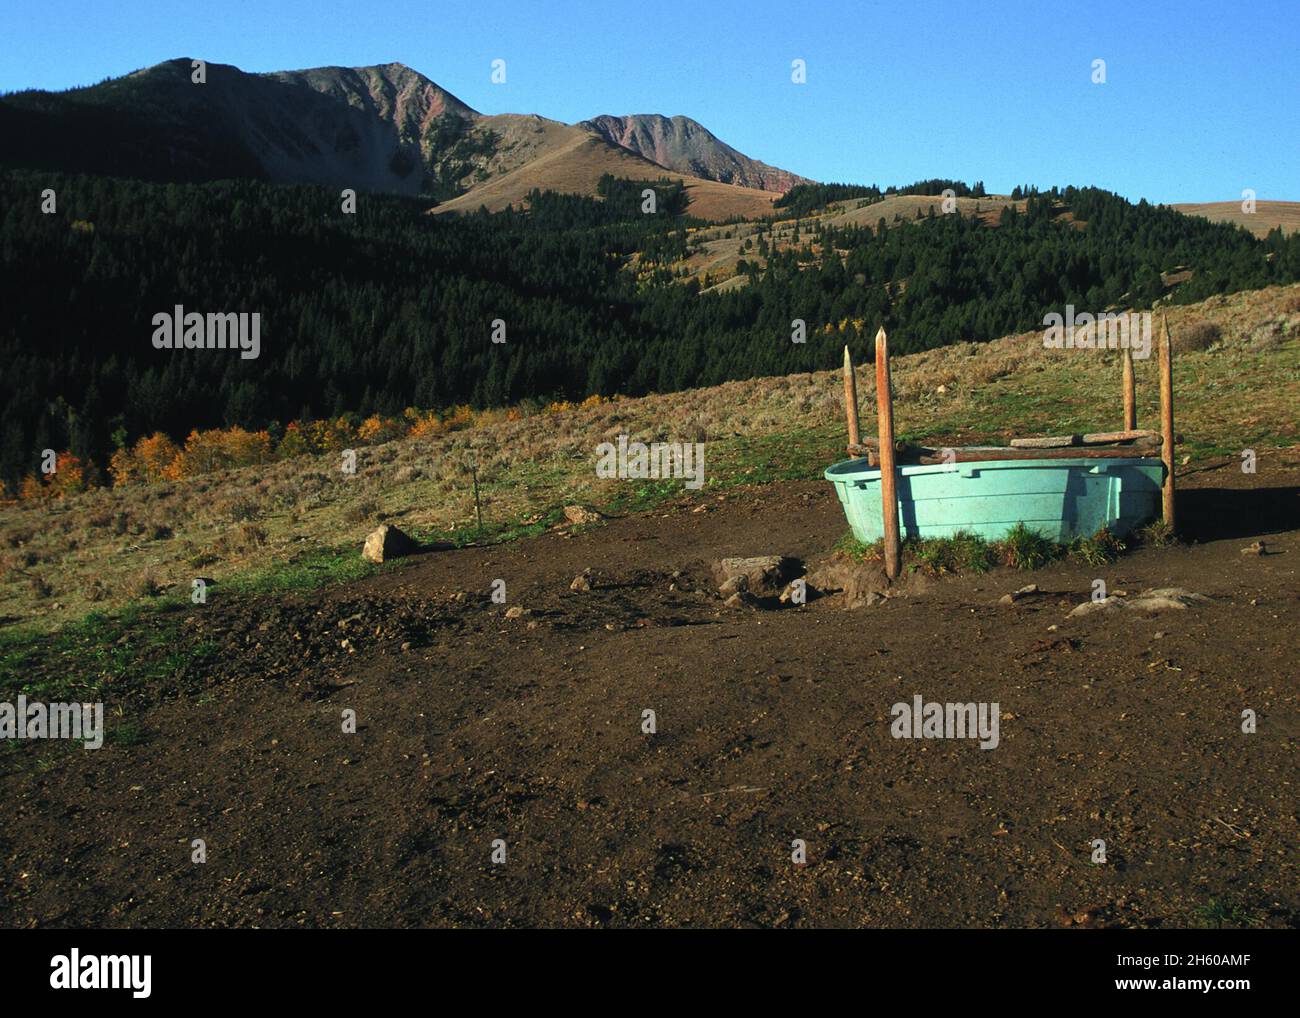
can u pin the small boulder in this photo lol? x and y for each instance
(1100, 605)
(1161, 599)
(387, 542)
(1017, 595)
(760, 575)
(857, 584)
(795, 591)
(1166, 597)
(734, 585)
(580, 514)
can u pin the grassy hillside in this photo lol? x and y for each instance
(572, 161)
(1267, 215)
(301, 522)
(716, 252)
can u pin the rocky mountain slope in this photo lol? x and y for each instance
(681, 144)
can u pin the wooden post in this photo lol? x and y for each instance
(1130, 394)
(885, 420)
(1167, 421)
(850, 397)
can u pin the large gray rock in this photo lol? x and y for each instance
(1162, 599)
(386, 543)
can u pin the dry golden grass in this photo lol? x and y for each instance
(716, 250)
(1267, 214)
(571, 160)
(904, 207)
(107, 547)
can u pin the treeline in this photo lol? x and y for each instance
(805, 198)
(623, 201)
(390, 308)
(802, 199)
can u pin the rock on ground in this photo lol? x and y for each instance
(579, 514)
(387, 542)
(1017, 595)
(860, 584)
(1161, 599)
(763, 575)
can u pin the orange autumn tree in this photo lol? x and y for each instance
(215, 449)
(331, 436)
(123, 467)
(33, 488)
(421, 425)
(148, 460)
(376, 429)
(69, 477)
(295, 442)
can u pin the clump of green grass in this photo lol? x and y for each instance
(960, 553)
(1100, 549)
(307, 570)
(1156, 534)
(856, 550)
(120, 651)
(1222, 912)
(964, 552)
(1024, 548)
(127, 734)
(641, 496)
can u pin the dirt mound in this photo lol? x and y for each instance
(860, 584)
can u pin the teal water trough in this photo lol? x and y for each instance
(1061, 499)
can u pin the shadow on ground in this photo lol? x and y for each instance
(1208, 514)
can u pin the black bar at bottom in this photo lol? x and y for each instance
(1057, 967)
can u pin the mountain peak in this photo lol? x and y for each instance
(687, 146)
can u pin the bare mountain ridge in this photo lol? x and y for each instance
(682, 144)
(380, 128)
(362, 128)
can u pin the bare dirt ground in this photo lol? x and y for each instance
(772, 726)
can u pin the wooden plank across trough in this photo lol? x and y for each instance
(985, 453)
(1094, 438)
(1100, 445)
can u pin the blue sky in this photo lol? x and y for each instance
(1201, 101)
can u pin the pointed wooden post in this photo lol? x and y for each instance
(850, 397)
(1167, 421)
(1130, 393)
(885, 422)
